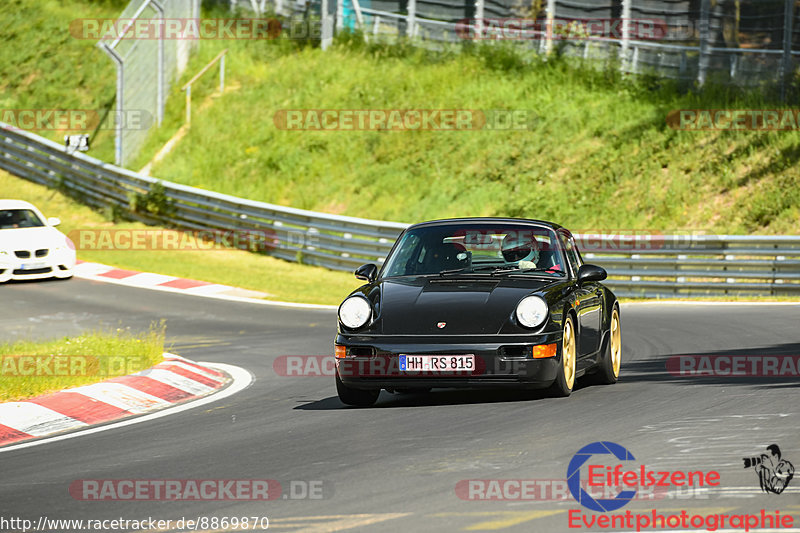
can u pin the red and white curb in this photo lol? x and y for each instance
(175, 381)
(161, 282)
(133, 278)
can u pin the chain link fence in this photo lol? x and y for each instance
(734, 42)
(146, 68)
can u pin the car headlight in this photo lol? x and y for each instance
(355, 312)
(532, 311)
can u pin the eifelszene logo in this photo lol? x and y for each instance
(616, 487)
(611, 479)
(774, 473)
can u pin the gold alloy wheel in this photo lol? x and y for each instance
(616, 343)
(568, 353)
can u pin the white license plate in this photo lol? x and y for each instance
(436, 363)
(33, 266)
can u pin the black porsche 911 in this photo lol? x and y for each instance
(477, 302)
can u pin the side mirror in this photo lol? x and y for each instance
(53, 221)
(588, 273)
(368, 272)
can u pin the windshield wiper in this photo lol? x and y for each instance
(470, 269)
(521, 270)
(453, 271)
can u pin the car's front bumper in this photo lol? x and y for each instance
(372, 362)
(57, 264)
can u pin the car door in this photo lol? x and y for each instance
(588, 303)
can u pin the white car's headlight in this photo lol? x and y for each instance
(355, 312)
(532, 311)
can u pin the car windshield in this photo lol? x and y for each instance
(477, 249)
(19, 218)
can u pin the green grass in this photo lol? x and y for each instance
(281, 280)
(599, 155)
(42, 66)
(30, 368)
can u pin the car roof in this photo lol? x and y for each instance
(15, 204)
(493, 220)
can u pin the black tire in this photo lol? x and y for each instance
(565, 379)
(608, 371)
(356, 397)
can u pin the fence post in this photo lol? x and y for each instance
(326, 29)
(479, 18)
(161, 67)
(410, 19)
(626, 34)
(705, 41)
(339, 15)
(550, 15)
(117, 59)
(221, 75)
(786, 66)
(189, 104)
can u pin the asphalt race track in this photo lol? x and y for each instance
(395, 467)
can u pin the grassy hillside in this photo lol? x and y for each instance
(43, 67)
(599, 154)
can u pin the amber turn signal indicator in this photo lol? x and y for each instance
(340, 351)
(541, 351)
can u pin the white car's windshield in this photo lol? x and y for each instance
(491, 249)
(19, 218)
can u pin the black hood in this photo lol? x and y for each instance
(479, 305)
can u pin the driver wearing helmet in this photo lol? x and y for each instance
(521, 249)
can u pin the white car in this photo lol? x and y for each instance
(30, 246)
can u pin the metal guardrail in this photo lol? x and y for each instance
(655, 266)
